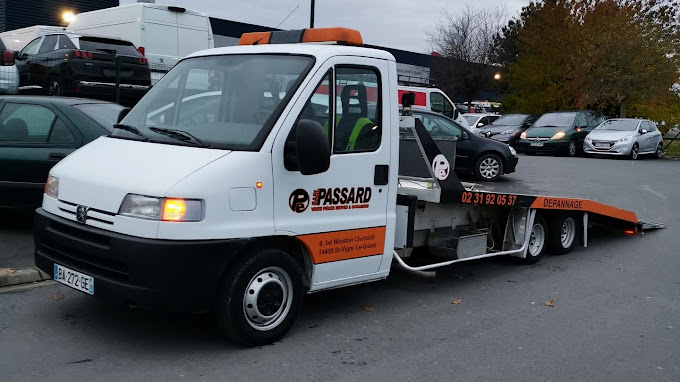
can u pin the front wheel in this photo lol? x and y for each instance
(571, 148)
(260, 298)
(659, 150)
(634, 152)
(489, 167)
(54, 87)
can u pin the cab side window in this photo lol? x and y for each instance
(358, 125)
(25, 123)
(437, 102)
(32, 47)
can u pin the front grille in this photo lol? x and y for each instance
(537, 139)
(92, 213)
(86, 251)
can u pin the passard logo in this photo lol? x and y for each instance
(298, 200)
(340, 198)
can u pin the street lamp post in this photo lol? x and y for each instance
(311, 16)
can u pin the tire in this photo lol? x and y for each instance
(538, 241)
(489, 167)
(634, 152)
(571, 148)
(563, 234)
(260, 298)
(659, 151)
(54, 87)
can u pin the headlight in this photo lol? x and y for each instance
(559, 135)
(512, 151)
(52, 187)
(523, 135)
(508, 132)
(166, 209)
(626, 138)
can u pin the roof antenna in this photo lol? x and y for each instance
(291, 12)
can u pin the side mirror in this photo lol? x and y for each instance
(123, 112)
(313, 151)
(480, 124)
(643, 131)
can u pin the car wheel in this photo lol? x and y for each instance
(563, 233)
(489, 167)
(571, 148)
(54, 88)
(659, 150)
(537, 241)
(634, 152)
(260, 298)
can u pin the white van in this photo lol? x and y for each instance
(433, 99)
(163, 34)
(18, 38)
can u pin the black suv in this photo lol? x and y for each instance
(83, 66)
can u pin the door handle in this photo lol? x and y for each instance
(56, 156)
(381, 175)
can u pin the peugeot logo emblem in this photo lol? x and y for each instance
(81, 214)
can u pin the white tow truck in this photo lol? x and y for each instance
(228, 188)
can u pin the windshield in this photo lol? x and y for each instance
(471, 119)
(105, 114)
(555, 119)
(229, 102)
(510, 120)
(619, 124)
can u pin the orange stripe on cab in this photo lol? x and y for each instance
(549, 203)
(344, 245)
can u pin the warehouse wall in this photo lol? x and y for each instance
(25, 13)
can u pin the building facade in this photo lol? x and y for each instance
(16, 14)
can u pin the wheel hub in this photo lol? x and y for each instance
(267, 298)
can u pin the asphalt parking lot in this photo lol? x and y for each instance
(616, 313)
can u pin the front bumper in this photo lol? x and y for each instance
(170, 275)
(617, 148)
(546, 146)
(510, 165)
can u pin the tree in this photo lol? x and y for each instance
(465, 43)
(591, 53)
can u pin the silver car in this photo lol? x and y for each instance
(624, 136)
(9, 75)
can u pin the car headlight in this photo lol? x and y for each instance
(558, 135)
(626, 138)
(512, 151)
(166, 209)
(523, 135)
(52, 187)
(508, 132)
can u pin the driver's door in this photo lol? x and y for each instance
(26, 64)
(340, 215)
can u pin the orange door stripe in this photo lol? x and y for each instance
(343, 245)
(585, 205)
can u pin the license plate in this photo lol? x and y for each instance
(603, 145)
(536, 144)
(74, 279)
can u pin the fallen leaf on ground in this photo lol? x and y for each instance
(6, 271)
(456, 301)
(57, 296)
(367, 308)
(550, 303)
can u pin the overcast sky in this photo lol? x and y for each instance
(401, 24)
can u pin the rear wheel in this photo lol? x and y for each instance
(260, 298)
(489, 167)
(634, 152)
(563, 232)
(537, 241)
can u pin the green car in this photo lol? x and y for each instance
(560, 132)
(37, 132)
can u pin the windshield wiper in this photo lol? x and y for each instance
(131, 129)
(179, 135)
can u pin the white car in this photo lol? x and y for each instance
(9, 74)
(624, 136)
(477, 120)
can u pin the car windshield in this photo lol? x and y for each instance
(105, 114)
(229, 102)
(471, 119)
(510, 120)
(619, 124)
(555, 120)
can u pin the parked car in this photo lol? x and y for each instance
(83, 66)
(9, 75)
(625, 136)
(36, 132)
(477, 120)
(560, 132)
(486, 158)
(508, 128)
